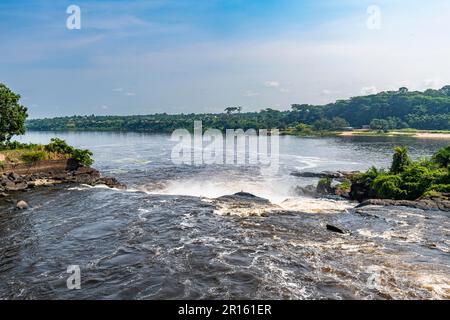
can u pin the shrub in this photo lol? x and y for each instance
(400, 160)
(59, 146)
(33, 156)
(442, 157)
(440, 188)
(83, 156)
(387, 186)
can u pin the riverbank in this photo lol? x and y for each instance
(16, 178)
(406, 133)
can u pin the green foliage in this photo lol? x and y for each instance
(83, 156)
(367, 177)
(33, 156)
(400, 160)
(12, 114)
(384, 111)
(387, 186)
(407, 179)
(303, 129)
(388, 124)
(14, 145)
(325, 182)
(344, 186)
(59, 146)
(442, 157)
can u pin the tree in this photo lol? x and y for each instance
(323, 125)
(12, 114)
(442, 157)
(230, 110)
(339, 123)
(400, 160)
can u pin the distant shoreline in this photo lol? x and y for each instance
(419, 135)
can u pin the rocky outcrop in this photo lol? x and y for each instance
(22, 205)
(44, 173)
(337, 229)
(424, 204)
(338, 175)
(243, 204)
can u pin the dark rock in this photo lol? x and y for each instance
(22, 205)
(244, 196)
(310, 191)
(11, 186)
(336, 229)
(426, 204)
(361, 192)
(324, 187)
(110, 182)
(13, 176)
(320, 175)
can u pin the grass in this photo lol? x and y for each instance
(15, 152)
(30, 155)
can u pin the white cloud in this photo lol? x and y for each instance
(118, 89)
(272, 84)
(433, 83)
(104, 107)
(130, 94)
(284, 90)
(369, 90)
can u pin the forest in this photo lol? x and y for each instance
(389, 110)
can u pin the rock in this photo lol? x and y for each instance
(11, 186)
(3, 195)
(426, 204)
(243, 204)
(13, 176)
(320, 175)
(324, 187)
(336, 229)
(244, 196)
(110, 182)
(361, 192)
(310, 191)
(22, 205)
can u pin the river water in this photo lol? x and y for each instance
(166, 237)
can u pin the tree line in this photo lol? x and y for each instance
(428, 110)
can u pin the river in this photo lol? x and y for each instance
(164, 238)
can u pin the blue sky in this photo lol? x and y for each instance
(148, 56)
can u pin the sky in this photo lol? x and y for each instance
(183, 56)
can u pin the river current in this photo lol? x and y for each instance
(167, 238)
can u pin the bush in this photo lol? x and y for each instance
(83, 156)
(400, 160)
(33, 156)
(61, 146)
(442, 157)
(407, 179)
(387, 186)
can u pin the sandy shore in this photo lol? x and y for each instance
(432, 135)
(420, 135)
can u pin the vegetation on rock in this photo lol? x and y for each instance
(406, 179)
(12, 122)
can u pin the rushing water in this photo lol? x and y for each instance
(166, 237)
